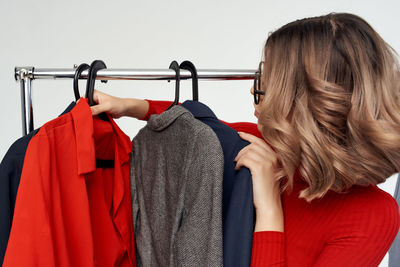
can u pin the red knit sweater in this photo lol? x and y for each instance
(341, 229)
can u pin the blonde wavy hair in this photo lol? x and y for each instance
(331, 108)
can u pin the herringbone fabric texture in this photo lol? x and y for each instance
(176, 183)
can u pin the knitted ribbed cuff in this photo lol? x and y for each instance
(268, 249)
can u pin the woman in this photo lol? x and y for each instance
(329, 110)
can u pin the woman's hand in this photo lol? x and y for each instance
(118, 107)
(263, 164)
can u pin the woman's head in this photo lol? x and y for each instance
(331, 105)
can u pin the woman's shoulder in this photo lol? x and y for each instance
(365, 197)
(362, 201)
(368, 210)
(357, 197)
(357, 206)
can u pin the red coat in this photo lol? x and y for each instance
(68, 212)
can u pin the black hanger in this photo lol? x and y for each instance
(94, 68)
(82, 67)
(187, 65)
(175, 66)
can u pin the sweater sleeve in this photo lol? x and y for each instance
(360, 236)
(156, 107)
(268, 249)
(363, 234)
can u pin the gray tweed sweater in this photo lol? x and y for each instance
(176, 183)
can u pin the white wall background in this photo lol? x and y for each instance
(150, 34)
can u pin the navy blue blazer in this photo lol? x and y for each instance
(237, 198)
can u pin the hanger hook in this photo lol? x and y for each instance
(78, 72)
(94, 68)
(188, 65)
(175, 66)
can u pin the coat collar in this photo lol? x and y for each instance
(87, 136)
(162, 121)
(198, 109)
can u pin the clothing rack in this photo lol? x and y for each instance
(25, 75)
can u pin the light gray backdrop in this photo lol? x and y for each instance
(150, 34)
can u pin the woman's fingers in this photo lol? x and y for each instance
(254, 139)
(97, 109)
(255, 148)
(257, 156)
(249, 160)
(256, 145)
(108, 104)
(96, 96)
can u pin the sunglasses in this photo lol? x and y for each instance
(257, 84)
